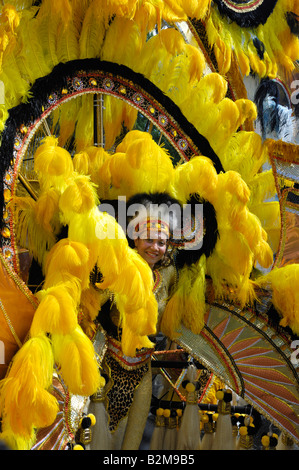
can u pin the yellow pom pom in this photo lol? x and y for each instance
(78, 447)
(92, 419)
(160, 412)
(205, 418)
(190, 387)
(215, 416)
(166, 413)
(265, 441)
(243, 430)
(179, 412)
(219, 395)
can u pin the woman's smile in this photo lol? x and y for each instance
(151, 250)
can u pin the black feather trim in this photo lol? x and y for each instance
(293, 22)
(243, 14)
(266, 88)
(211, 235)
(260, 47)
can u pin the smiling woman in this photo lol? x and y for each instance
(152, 250)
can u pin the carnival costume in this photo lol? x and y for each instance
(233, 308)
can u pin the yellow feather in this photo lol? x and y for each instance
(66, 117)
(81, 162)
(25, 402)
(67, 42)
(187, 304)
(47, 30)
(57, 311)
(46, 211)
(131, 342)
(244, 154)
(75, 356)
(80, 196)
(123, 41)
(283, 283)
(198, 176)
(92, 33)
(30, 234)
(67, 258)
(84, 135)
(195, 9)
(52, 161)
(233, 248)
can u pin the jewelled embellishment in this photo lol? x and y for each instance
(77, 84)
(108, 84)
(7, 195)
(8, 253)
(92, 82)
(138, 98)
(123, 90)
(17, 144)
(163, 120)
(7, 178)
(183, 144)
(23, 129)
(5, 232)
(52, 99)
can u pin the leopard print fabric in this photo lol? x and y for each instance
(122, 387)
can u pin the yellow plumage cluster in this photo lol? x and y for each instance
(283, 283)
(281, 46)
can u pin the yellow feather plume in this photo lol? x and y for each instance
(198, 176)
(123, 42)
(67, 258)
(244, 154)
(31, 232)
(75, 356)
(92, 33)
(25, 403)
(187, 304)
(227, 283)
(47, 29)
(84, 134)
(66, 117)
(57, 311)
(250, 226)
(79, 197)
(139, 165)
(283, 283)
(52, 163)
(46, 210)
(132, 342)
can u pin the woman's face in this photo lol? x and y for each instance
(152, 250)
